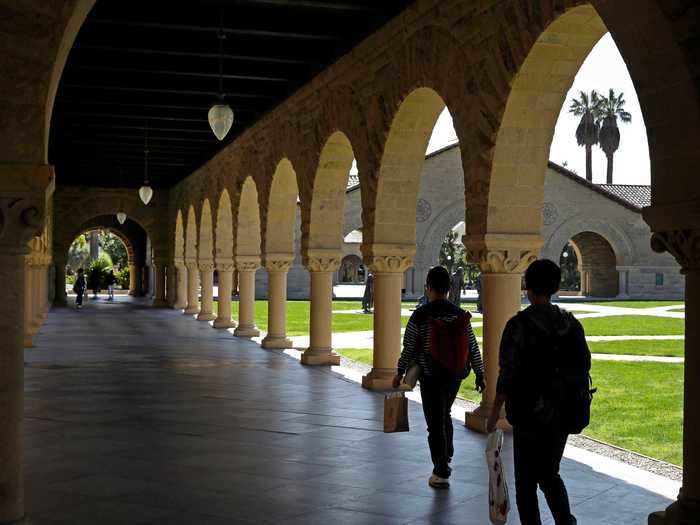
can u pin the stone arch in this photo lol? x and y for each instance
(280, 216)
(515, 195)
(350, 271)
(597, 264)
(325, 229)
(428, 246)
(205, 253)
(248, 233)
(117, 232)
(394, 220)
(179, 246)
(191, 237)
(224, 229)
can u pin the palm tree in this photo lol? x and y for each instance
(608, 111)
(587, 131)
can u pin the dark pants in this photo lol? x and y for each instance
(537, 455)
(438, 395)
(79, 296)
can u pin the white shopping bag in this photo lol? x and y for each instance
(499, 505)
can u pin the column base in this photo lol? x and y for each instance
(190, 311)
(132, 292)
(320, 357)
(272, 342)
(179, 306)
(476, 421)
(379, 379)
(160, 303)
(681, 512)
(246, 331)
(222, 322)
(206, 317)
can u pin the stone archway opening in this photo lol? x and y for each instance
(352, 270)
(595, 265)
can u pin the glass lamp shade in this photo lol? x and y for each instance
(121, 217)
(220, 120)
(146, 193)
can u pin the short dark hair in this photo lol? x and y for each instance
(542, 277)
(438, 279)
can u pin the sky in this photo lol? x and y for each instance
(603, 69)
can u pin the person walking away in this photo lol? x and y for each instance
(79, 288)
(368, 297)
(111, 281)
(477, 286)
(542, 349)
(439, 338)
(456, 285)
(94, 281)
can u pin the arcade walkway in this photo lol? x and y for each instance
(142, 416)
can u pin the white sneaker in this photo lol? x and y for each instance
(437, 482)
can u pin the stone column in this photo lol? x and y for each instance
(388, 271)
(171, 286)
(503, 259)
(225, 270)
(159, 285)
(277, 267)
(23, 190)
(246, 265)
(684, 245)
(133, 279)
(206, 311)
(192, 289)
(322, 266)
(181, 287)
(61, 298)
(37, 304)
(28, 300)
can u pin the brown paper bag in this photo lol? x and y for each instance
(395, 412)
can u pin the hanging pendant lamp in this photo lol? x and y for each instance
(221, 115)
(145, 191)
(121, 217)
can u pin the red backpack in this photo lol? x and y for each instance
(449, 342)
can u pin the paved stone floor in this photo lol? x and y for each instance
(143, 416)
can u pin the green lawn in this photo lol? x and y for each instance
(638, 406)
(633, 325)
(298, 318)
(639, 347)
(637, 304)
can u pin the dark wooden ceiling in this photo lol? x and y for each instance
(153, 65)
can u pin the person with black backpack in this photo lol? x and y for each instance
(440, 341)
(544, 382)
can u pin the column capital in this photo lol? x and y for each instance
(225, 265)
(278, 262)
(206, 266)
(190, 265)
(503, 253)
(247, 263)
(321, 259)
(388, 258)
(684, 245)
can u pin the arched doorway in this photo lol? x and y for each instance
(596, 264)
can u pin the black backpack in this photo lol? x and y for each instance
(555, 388)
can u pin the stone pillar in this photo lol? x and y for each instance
(192, 289)
(171, 286)
(322, 266)
(61, 298)
(684, 245)
(206, 311)
(23, 190)
(246, 265)
(133, 279)
(37, 306)
(42, 271)
(277, 267)
(388, 271)
(181, 287)
(159, 285)
(225, 271)
(28, 300)
(503, 259)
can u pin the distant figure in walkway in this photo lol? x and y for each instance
(477, 285)
(79, 288)
(368, 297)
(111, 281)
(439, 339)
(456, 285)
(543, 349)
(94, 282)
